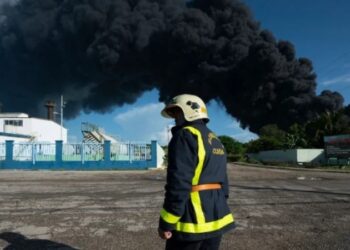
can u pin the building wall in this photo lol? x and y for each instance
(290, 156)
(311, 155)
(275, 156)
(47, 131)
(40, 129)
(160, 156)
(8, 138)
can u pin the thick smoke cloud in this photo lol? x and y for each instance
(9, 2)
(105, 53)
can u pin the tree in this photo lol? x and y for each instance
(271, 138)
(296, 137)
(328, 123)
(263, 144)
(310, 134)
(272, 131)
(231, 145)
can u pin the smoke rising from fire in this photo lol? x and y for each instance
(104, 53)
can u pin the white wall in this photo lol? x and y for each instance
(290, 156)
(315, 155)
(47, 131)
(42, 130)
(160, 156)
(8, 138)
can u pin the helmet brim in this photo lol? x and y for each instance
(165, 113)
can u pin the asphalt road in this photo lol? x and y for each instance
(273, 208)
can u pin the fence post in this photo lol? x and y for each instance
(107, 151)
(9, 151)
(129, 151)
(153, 162)
(59, 153)
(33, 153)
(82, 152)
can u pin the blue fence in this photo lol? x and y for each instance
(82, 156)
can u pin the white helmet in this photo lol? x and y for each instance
(192, 106)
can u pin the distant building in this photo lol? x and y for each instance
(337, 146)
(19, 127)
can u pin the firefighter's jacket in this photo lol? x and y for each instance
(195, 156)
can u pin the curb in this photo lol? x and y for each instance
(291, 168)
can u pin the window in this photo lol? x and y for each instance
(17, 123)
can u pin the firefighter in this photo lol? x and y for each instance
(195, 213)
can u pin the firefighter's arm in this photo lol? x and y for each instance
(181, 167)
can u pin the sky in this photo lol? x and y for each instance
(319, 31)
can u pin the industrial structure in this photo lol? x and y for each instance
(19, 127)
(337, 149)
(120, 150)
(94, 134)
(36, 143)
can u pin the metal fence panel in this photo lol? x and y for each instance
(141, 152)
(78, 152)
(120, 152)
(23, 151)
(130, 151)
(34, 152)
(83, 152)
(44, 152)
(2, 151)
(93, 151)
(72, 152)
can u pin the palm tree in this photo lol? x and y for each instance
(328, 123)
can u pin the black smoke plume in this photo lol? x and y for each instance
(104, 53)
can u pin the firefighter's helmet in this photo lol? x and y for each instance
(192, 106)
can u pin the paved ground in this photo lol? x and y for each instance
(274, 209)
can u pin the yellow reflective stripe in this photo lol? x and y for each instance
(201, 155)
(195, 198)
(197, 206)
(205, 227)
(169, 217)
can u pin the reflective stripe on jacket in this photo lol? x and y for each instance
(195, 156)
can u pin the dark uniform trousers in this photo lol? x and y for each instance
(207, 244)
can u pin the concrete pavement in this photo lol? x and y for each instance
(274, 209)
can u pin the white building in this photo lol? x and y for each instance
(19, 127)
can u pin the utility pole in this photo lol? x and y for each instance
(61, 113)
(62, 104)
